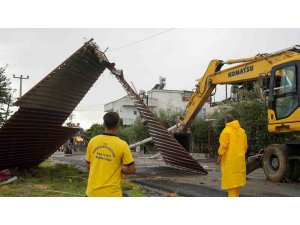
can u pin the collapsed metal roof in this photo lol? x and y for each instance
(35, 131)
(171, 150)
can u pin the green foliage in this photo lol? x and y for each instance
(136, 193)
(59, 180)
(5, 92)
(199, 129)
(136, 132)
(168, 118)
(94, 130)
(45, 164)
(132, 189)
(251, 112)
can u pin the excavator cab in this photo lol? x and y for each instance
(281, 161)
(284, 92)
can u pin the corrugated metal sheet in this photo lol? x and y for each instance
(171, 150)
(35, 131)
(63, 88)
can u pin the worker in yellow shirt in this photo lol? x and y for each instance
(108, 157)
(232, 150)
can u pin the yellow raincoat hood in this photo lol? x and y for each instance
(233, 124)
(233, 147)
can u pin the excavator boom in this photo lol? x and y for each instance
(260, 67)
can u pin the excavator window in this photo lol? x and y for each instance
(285, 91)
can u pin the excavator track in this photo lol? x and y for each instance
(171, 150)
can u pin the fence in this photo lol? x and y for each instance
(201, 145)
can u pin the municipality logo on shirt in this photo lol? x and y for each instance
(103, 156)
(104, 146)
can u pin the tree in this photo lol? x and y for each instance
(168, 118)
(93, 131)
(251, 112)
(5, 95)
(199, 129)
(136, 132)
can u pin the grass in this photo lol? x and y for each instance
(59, 180)
(170, 194)
(133, 190)
(49, 180)
(45, 164)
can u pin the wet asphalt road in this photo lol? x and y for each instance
(156, 176)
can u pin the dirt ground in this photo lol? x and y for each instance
(160, 179)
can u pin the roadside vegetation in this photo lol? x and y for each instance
(55, 180)
(249, 108)
(5, 96)
(251, 111)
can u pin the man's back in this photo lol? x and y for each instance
(106, 154)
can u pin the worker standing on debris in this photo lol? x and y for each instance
(106, 154)
(232, 150)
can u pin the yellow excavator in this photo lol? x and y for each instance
(278, 74)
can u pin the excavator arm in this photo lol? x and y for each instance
(259, 67)
(203, 90)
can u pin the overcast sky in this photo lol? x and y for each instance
(180, 55)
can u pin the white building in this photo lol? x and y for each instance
(126, 109)
(167, 100)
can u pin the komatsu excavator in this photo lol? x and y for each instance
(279, 75)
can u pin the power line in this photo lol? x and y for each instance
(138, 41)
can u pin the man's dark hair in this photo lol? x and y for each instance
(229, 118)
(111, 120)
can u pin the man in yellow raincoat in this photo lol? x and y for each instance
(232, 150)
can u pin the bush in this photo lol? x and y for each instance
(199, 129)
(251, 112)
(135, 132)
(5, 95)
(167, 118)
(93, 131)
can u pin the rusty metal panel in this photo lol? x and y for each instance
(67, 84)
(31, 136)
(35, 131)
(171, 150)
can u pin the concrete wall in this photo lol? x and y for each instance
(126, 109)
(169, 100)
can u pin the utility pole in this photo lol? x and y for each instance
(21, 78)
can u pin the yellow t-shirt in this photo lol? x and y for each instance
(107, 154)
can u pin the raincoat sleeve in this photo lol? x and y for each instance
(224, 142)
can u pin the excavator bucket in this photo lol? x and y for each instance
(35, 131)
(171, 150)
